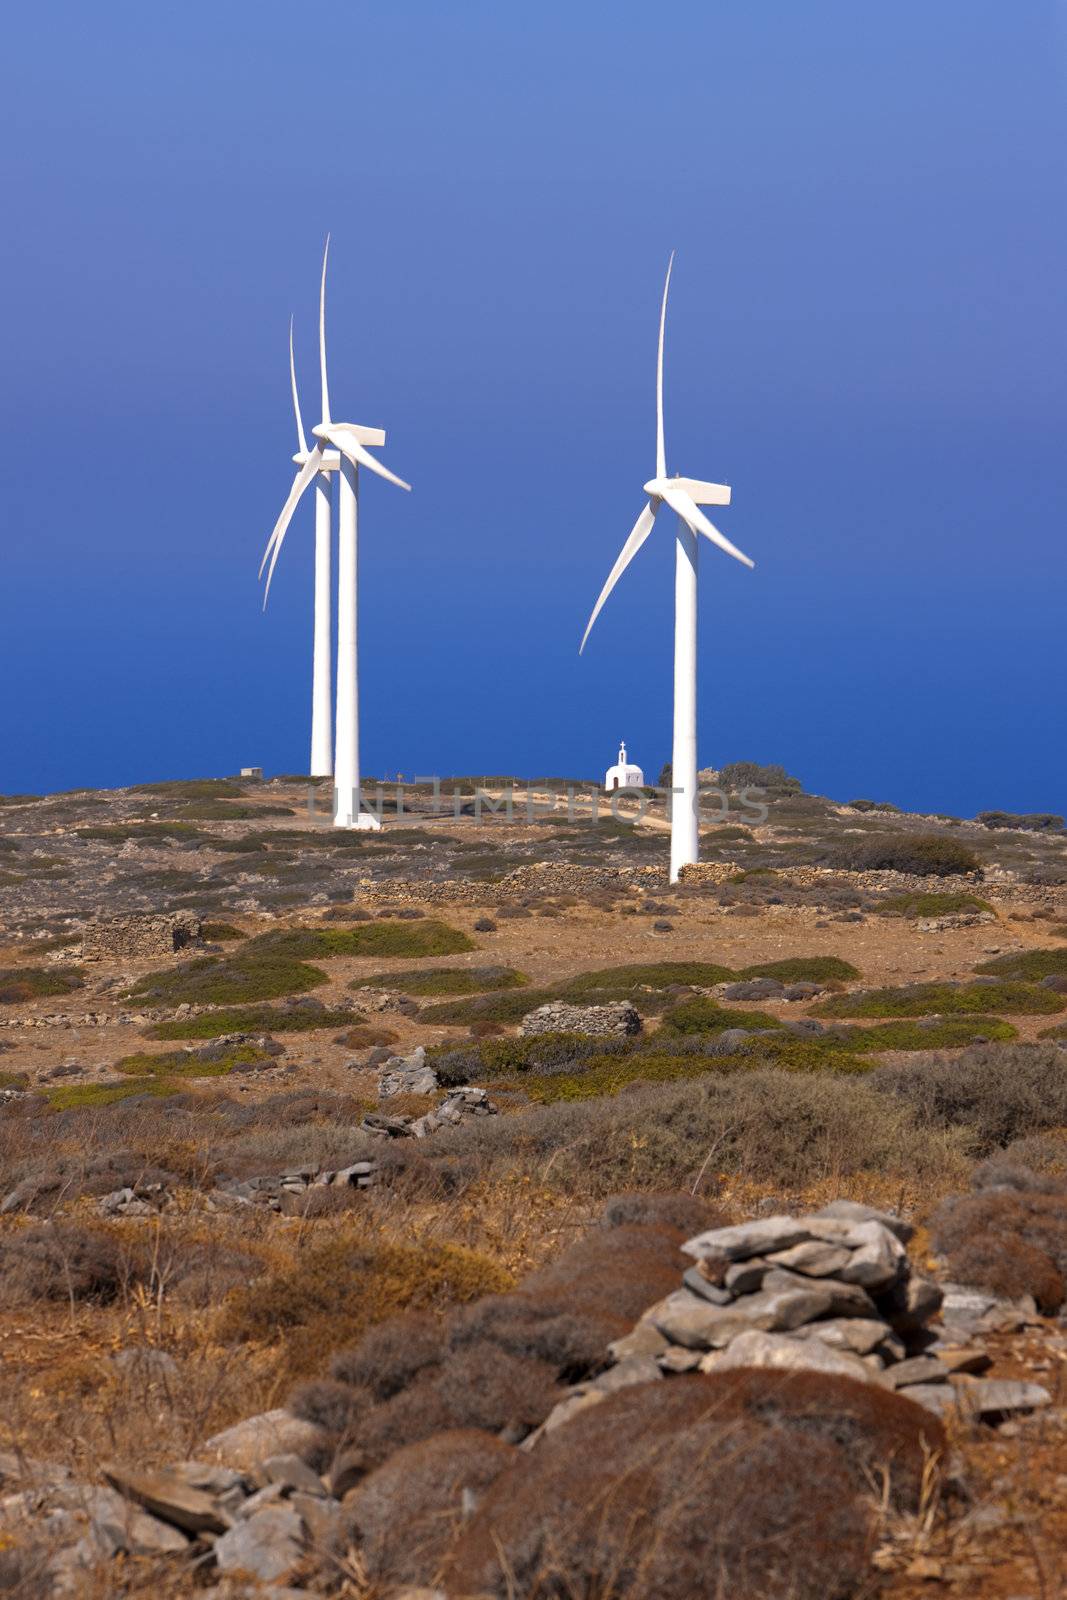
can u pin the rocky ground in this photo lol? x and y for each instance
(396, 1074)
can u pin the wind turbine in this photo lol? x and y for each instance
(684, 496)
(349, 454)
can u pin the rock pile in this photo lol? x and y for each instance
(616, 1021)
(457, 1105)
(407, 1075)
(830, 1292)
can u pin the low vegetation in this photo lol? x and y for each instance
(931, 905)
(445, 980)
(303, 1016)
(921, 855)
(251, 974)
(426, 937)
(935, 999)
(18, 984)
(1028, 966)
(1033, 822)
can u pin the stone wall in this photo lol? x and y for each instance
(141, 936)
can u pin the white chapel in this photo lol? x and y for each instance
(624, 775)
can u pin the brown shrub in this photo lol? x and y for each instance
(334, 1407)
(391, 1356)
(62, 1261)
(481, 1386)
(662, 1490)
(568, 1312)
(365, 1035)
(405, 1514)
(1008, 1241)
(686, 1213)
(1007, 1266)
(335, 1290)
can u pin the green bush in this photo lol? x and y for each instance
(703, 1016)
(87, 1096)
(1034, 822)
(424, 938)
(872, 805)
(445, 980)
(229, 980)
(145, 832)
(300, 1018)
(922, 855)
(18, 984)
(740, 775)
(508, 1006)
(214, 1062)
(1029, 965)
(803, 969)
(624, 983)
(192, 789)
(221, 932)
(931, 999)
(931, 905)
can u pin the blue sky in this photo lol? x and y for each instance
(866, 339)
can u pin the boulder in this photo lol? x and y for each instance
(757, 1349)
(247, 1444)
(267, 1545)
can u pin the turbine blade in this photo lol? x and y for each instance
(302, 442)
(694, 518)
(341, 434)
(277, 538)
(661, 454)
(322, 335)
(640, 532)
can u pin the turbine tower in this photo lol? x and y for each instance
(683, 496)
(349, 440)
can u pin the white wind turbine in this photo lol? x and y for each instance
(684, 496)
(349, 454)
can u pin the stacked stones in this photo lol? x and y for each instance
(413, 1074)
(140, 936)
(830, 1292)
(619, 1021)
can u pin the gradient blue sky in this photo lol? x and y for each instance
(866, 339)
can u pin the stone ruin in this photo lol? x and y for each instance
(140, 936)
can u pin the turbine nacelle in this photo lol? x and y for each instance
(703, 494)
(372, 436)
(331, 460)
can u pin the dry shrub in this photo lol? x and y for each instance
(363, 1037)
(405, 1514)
(481, 1386)
(1000, 1091)
(391, 1356)
(62, 1261)
(663, 1489)
(334, 1407)
(685, 1212)
(1005, 1265)
(1007, 1241)
(334, 1290)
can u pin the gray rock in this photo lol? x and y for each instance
(267, 1545)
(878, 1257)
(731, 1039)
(842, 1299)
(815, 1258)
(694, 1279)
(919, 1369)
(749, 1239)
(674, 1359)
(645, 1340)
(247, 1444)
(291, 1473)
(861, 1335)
(758, 1349)
(638, 1369)
(853, 1211)
(167, 1496)
(745, 1277)
(407, 1075)
(986, 1397)
(936, 1397)
(753, 989)
(686, 1320)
